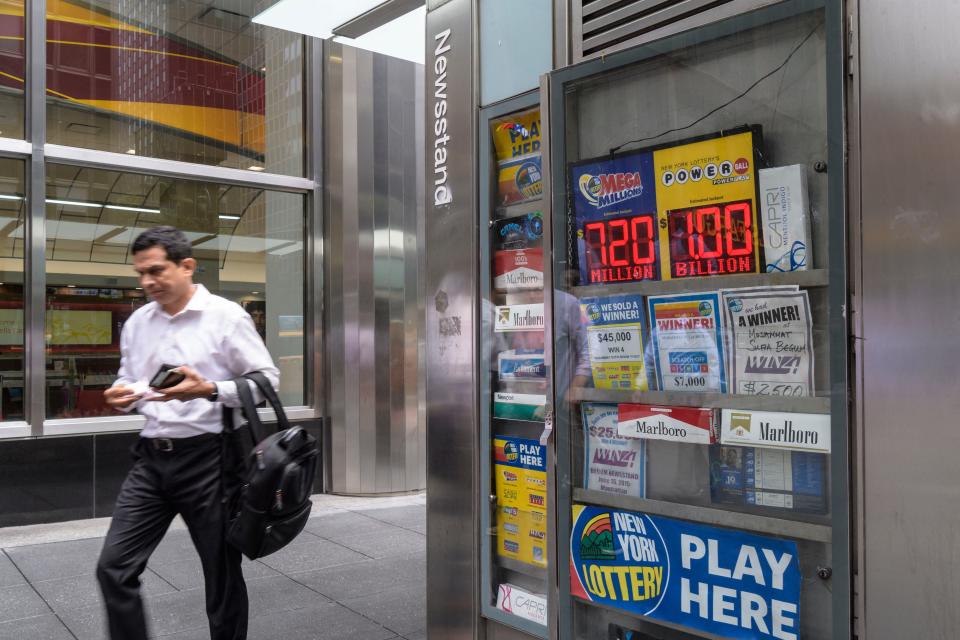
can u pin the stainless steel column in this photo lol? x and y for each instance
(373, 114)
(451, 293)
(906, 68)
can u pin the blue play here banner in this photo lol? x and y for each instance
(729, 583)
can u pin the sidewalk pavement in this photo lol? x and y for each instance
(356, 572)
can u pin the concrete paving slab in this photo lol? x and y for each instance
(45, 627)
(366, 578)
(409, 515)
(345, 524)
(325, 622)
(278, 594)
(81, 592)
(382, 544)
(19, 602)
(188, 574)
(400, 609)
(9, 574)
(72, 558)
(309, 553)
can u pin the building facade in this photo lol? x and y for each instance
(189, 114)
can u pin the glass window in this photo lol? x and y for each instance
(93, 217)
(12, 212)
(516, 36)
(12, 68)
(187, 80)
(514, 381)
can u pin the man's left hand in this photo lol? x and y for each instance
(192, 387)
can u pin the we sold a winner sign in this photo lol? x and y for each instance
(728, 583)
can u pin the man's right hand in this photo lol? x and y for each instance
(120, 397)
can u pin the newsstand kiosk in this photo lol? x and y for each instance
(637, 352)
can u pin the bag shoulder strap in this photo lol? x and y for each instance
(270, 394)
(249, 408)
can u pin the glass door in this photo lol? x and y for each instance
(699, 338)
(515, 455)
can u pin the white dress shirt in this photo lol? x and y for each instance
(212, 335)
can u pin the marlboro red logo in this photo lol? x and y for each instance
(518, 269)
(676, 424)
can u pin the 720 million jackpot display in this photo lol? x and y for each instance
(688, 209)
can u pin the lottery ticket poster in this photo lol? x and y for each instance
(616, 334)
(611, 463)
(516, 139)
(770, 342)
(687, 342)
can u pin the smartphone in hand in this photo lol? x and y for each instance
(166, 377)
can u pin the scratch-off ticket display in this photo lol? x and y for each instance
(520, 480)
(516, 139)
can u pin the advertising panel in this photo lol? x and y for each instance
(754, 477)
(728, 583)
(611, 462)
(682, 210)
(519, 317)
(785, 218)
(516, 139)
(674, 424)
(520, 479)
(615, 340)
(687, 342)
(615, 212)
(519, 406)
(520, 470)
(776, 430)
(518, 253)
(522, 603)
(521, 364)
(707, 206)
(771, 342)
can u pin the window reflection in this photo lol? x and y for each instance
(12, 211)
(93, 217)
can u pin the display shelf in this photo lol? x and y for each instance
(628, 619)
(709, 400)
(523, 385)
(521, 422)
(812, 278)
(708, 515)
(539, 573)
(533, 296)
(514, 210)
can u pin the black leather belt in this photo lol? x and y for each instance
(170, 445)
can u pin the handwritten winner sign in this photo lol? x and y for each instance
(728, 583)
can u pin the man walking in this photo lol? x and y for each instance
(177, 467)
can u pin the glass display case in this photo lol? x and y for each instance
(516, 465)
(698, 333)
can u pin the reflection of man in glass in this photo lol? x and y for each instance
(259, 317)
(570, 336)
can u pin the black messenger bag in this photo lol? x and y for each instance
(267, 479)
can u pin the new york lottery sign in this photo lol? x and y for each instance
(728, 583)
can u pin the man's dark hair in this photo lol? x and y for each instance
(170, 239)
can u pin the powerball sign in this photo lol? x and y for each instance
(728, 583)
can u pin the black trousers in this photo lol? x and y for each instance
(186, 480)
